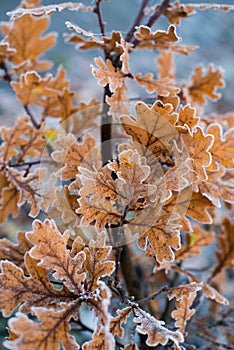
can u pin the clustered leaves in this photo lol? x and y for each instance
(160, 186)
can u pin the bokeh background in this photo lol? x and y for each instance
(211, 30)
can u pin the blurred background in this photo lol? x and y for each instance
(211, 30)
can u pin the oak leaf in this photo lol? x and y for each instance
(213, 294)
(225, 249)
(161, 238)
(155, 330)
(222, 149)
(198, 146)
(5, 52)
(204, 84)
(73, 154)
(183, 313)
(47, 334)
(151, 131)
(9, 198)
(187, 119)
(118, 102)
(107, 74)
(183, 290)
(31, 45)
(96, 264)
(116, 322)
(56, 258)
(15, 252)
(194, 243)
(166, 68)
(163, 87)
(191, 204)
(35, 290)
(131, 346)
(161, 40)
(100, 341)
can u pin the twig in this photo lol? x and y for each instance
(33, 120)
(158, 12)
(30, 163)
(214, 342)
(153, 296)
(137, 21)
(97, 10)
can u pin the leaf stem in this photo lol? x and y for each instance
(137, 21)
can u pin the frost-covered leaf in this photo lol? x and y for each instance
(194, 243)
(27, 291)
(31, 45)
(15, 252)
(73, 154)
(116, 322)
(166, 67)
(184, 290)
(213, 294)
(183, 313)
(47, 334)
(96, 263)
(107, 74)
(155, 330)
(163, 87)
(222, 149)
(187, 119)
(56, 258)
(198, 147)
(204, 84)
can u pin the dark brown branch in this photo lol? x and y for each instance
(97, 10)
(158, 12)
(214, 342)
(33, 120)
(153, 296)
(137, 21)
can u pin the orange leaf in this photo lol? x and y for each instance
(47, 334)
(183, 313)
(107, 74)
(166, 68)
(35, 290)
(156, 332)
(96, 264)
(15, 252)
(213, 294)
(204, 84)
(198, 146)
(223, 148)
(163, 87)
(31, 45)
(56, 257)
(115, 325)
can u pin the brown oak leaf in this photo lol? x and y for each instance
(163, 87)
(184, 290)
(9, 198)
(35, 290)
(100, 341)
(183, 313)
(47, 334)
(96, 264)
(73, 154)
(166, 68)
(155, 330)
(213, 294)
(15, 252)
(31, 45)
(56, 258)
(118, 102)
(187, 119)
(222, 149)
(107, 74)
(198, 147)
(204, 84)
(116, 322)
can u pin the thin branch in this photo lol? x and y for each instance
(33, 120)
(214, 342)
(97, 10)
(30, 163)
(158, 12)
(153, 296)
(137, 21)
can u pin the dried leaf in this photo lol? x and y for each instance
(213, 294)
(35, 290)
(151, 131)
(157, 333)
(56, 257)
(160, 40)
(184, 290)
(194, 243)
(31, 45)
(96, 264)
(204, 84)
(118, 102)
(222, 149)
(9, 198)
(166, 68)
(100, 341)
(131, 346)
(187, 120)
(163, 87)
(116, 322)
(15, 252)
(198, 146)
(5, 52)
(107, 74)
(183, 313)
(162, 238)
(47, 334)
(74, 154)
